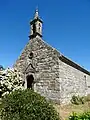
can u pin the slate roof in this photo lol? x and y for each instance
(73, 64)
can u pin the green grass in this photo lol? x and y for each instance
(65, 110)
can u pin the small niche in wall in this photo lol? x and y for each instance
(30, 55)
(85, 82)
(85, 76)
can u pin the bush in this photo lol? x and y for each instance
(77, 100)
(87, 98)
(82, 116)
(26, 105)
(10, 80)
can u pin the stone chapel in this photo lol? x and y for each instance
(47, 71)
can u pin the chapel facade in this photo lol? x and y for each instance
(47, 71)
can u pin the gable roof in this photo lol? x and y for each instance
(68, 61)
(73, 64)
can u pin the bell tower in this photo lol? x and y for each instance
(36, 26)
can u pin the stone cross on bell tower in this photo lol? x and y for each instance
(36, 26)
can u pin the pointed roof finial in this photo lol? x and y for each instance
(36, 14)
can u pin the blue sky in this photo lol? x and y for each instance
(66, 27)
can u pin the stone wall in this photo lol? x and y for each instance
(53, 78)
(72, 82)
(46, 72)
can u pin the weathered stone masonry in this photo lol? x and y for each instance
(55, 76)
(45, 61)
(73, 80)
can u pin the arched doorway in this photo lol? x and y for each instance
(30, 80)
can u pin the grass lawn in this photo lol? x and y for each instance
(65, 110)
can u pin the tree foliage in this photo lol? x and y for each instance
(77, 100)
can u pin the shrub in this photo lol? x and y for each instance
(81, 116)
(77, 100)
(74, 116)
(87, 98)
(26, 105)
(10, 80)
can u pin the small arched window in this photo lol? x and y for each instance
(39, 26)
(34, 28)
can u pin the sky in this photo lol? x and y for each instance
(66, 27)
